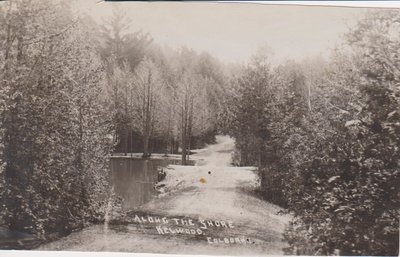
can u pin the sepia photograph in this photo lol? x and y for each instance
(199, 128)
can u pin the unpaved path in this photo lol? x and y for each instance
(211, 191)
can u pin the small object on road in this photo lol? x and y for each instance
(161, 174)
(209, 172)
(203, 180)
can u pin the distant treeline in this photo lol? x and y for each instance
(160, 99)
(160, 144)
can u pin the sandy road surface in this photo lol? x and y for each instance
(211, 191)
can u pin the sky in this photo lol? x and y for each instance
(234, 31)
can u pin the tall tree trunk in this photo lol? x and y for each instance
(184, 128)
(190, 125)
(146, 132)
(146, 143)
(168, 134)
(183, 132)
(131, 129)
(126, 141)
(173, 145)
(126, 121)
(118, 129)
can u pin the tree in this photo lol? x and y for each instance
(251, 104)
(55, 133)
(185, 101)
(346, 200)
(121, 52)
(148, 91)
(188, 93)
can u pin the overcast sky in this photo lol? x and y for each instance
(234, 31)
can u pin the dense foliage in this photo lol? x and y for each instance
(161, 99)
(54, 137)
(325, 137)
(71, 93)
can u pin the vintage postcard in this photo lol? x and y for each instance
(199, 128)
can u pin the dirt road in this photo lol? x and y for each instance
(210, 208)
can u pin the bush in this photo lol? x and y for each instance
(330, 157)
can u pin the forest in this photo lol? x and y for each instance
(323, 133)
